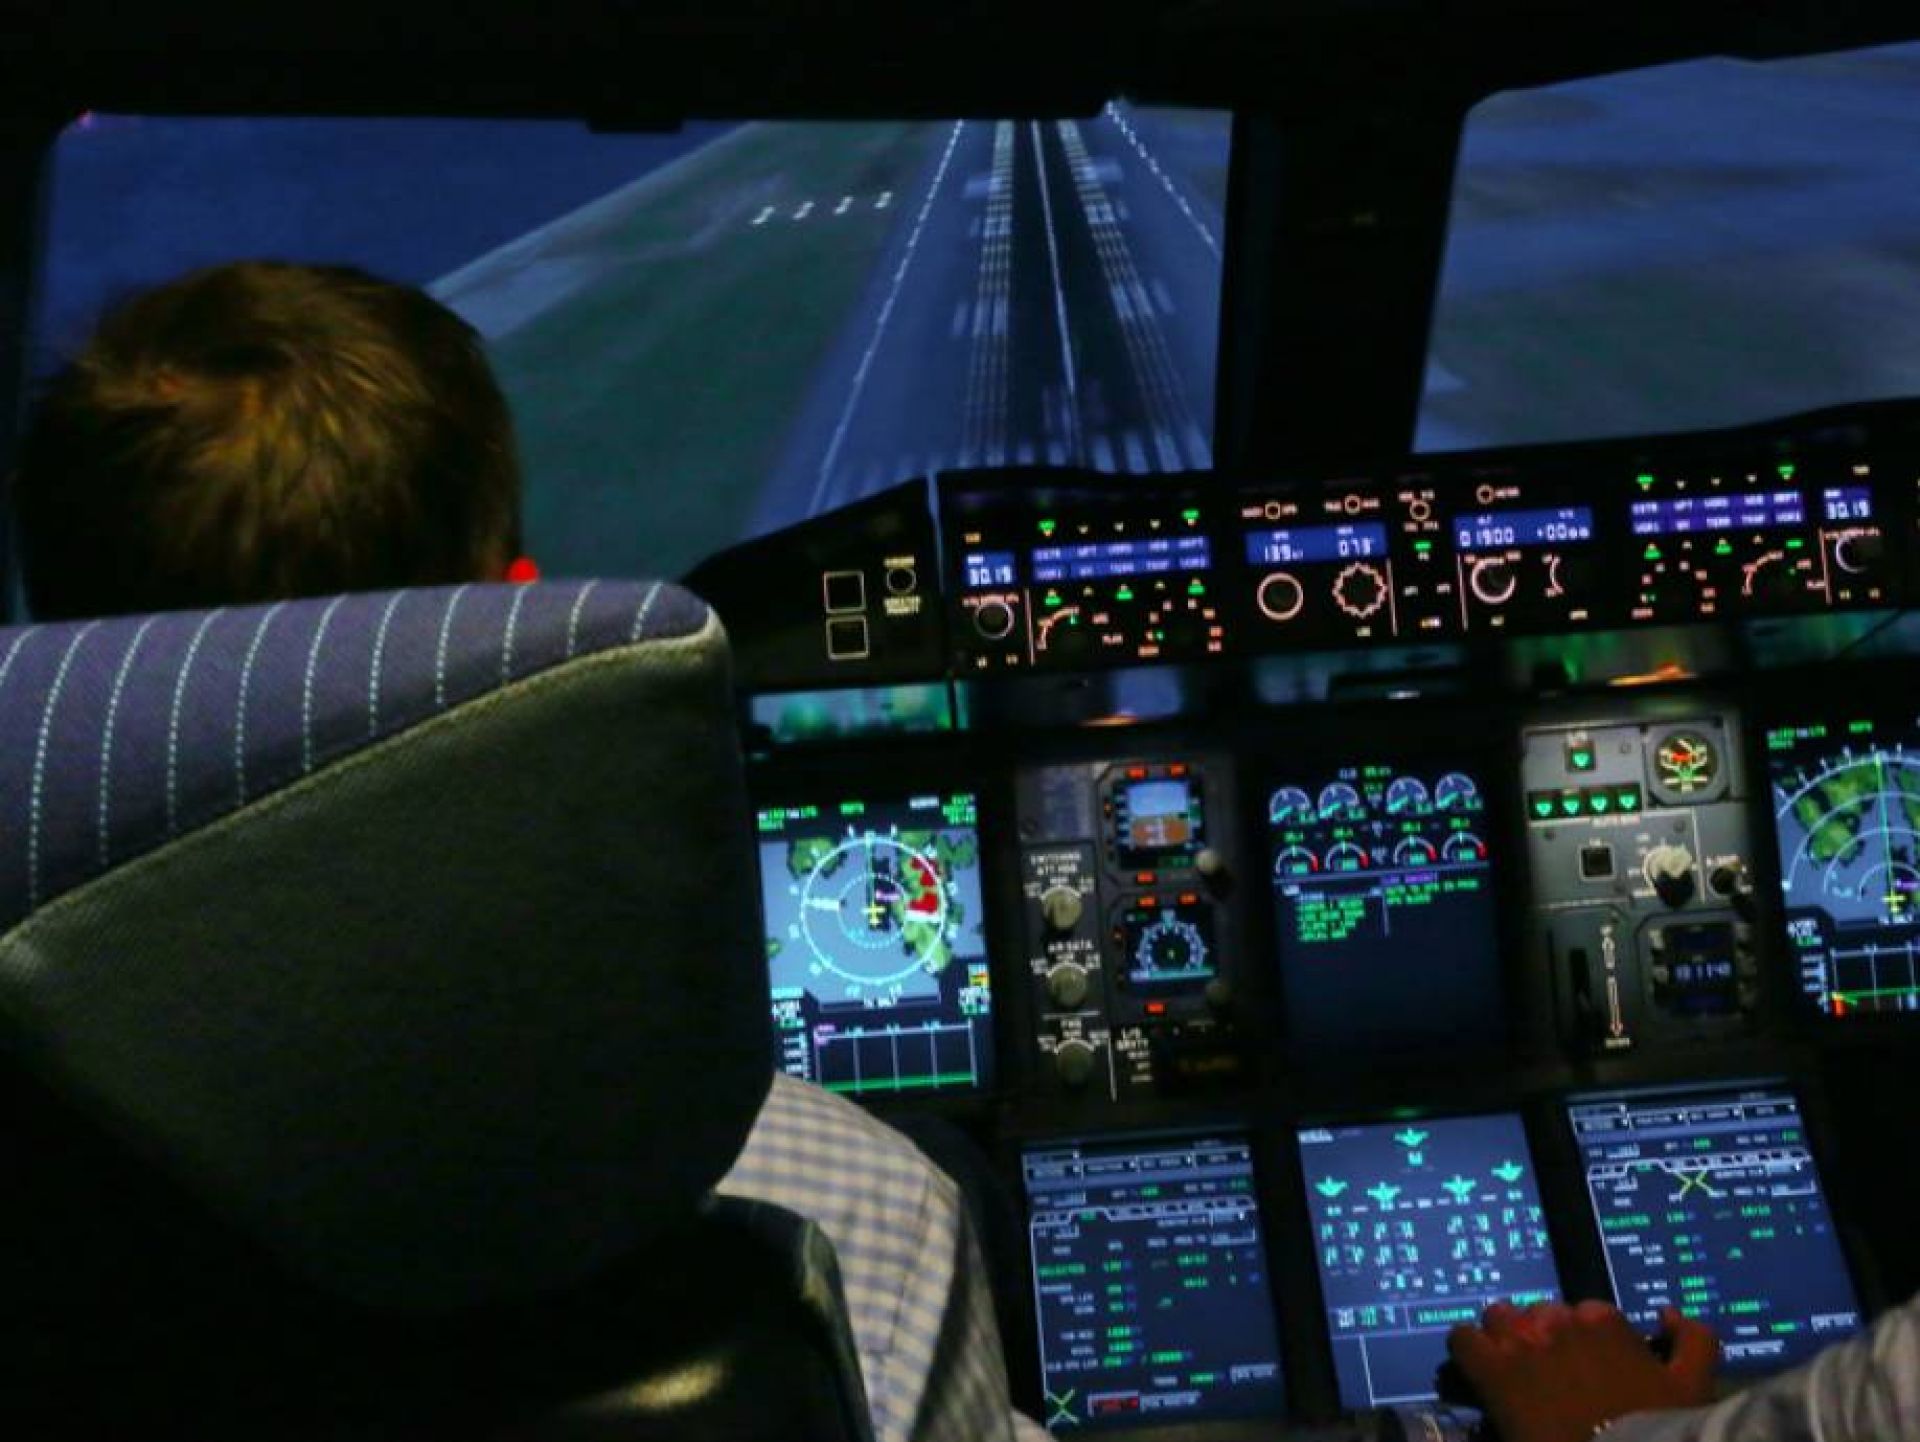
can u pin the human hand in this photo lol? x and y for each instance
(1554, 1373)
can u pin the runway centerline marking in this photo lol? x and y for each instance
(1059, 298)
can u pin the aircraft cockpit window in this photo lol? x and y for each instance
(716, 332)
(1693, 245)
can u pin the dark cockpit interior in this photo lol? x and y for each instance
(1320, 602)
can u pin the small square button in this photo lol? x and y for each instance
(1596, 861)
(846, 592)
(847, 639)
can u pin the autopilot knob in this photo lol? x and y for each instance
(1669, 871)
(993, 619)
(1210, 864)
(1073, 1063)
(1061, 908)
(1067, 984)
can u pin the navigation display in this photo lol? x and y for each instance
(1385, 901)
(1150, 1283)
(1709, 1201)
(875, 944)
(1418, 1226)
(1846, 806)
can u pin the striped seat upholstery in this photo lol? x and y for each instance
(361, 913)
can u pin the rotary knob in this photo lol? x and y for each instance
(1493, 581)
(1360, 590)
(1067, 984)
(1280, 597)
(1669, 871)
(993, 619)
(1061, 908)
(1073, 1063)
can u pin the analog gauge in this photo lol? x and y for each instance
(1287, 804)
(1454, 792)
(1415, 851)
(1345, 856)
(1463, 848)
(1686, 763)
(1295, 861)
(1407, 796)
(1339, 801)
(1170, 947)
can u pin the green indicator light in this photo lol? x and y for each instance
(1786, 469)
(1052, 599)
(1190, 516)
(1796, 543)
(1423, 546)
(1047, 527)
(1652, 553)
(1570, 805)
(1125, 593)
(1600, 802)
(1723, 548)
(1580, 758)
(1860, 728)
(1629, 800)
(1196, 588)
(1543, 807)
(1644, 480)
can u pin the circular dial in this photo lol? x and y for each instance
(1170, 947)
(1493, 581)
(1280, 597)
(1414, 851)
(873, 911)
(1686, 763)
(1463, 848)
(1345, 856)
(1454, 792)
(1360, 590)
(1338, 800)
(1289, 803)
(1407, 796)
(1295, 861)
(993, 619)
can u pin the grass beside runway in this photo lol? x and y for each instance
(652, 397)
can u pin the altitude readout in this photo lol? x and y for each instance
(1150, 1283)
(1709, 1201)
(1495, 531)
(1382, 884)
(1846, 804)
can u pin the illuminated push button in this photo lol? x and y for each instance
(1067, 984)
(993, 619)
(1669, 871)
(1073, 1062)
(1061, 907)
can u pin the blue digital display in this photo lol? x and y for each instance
(1308, 545)
(989, 570)
(1500, 530)
(1150, 1283)
(1847, 503)
(876, 944)
(1708, 1200)
(1116, 560)
(1419, 1226)
(1691, 515)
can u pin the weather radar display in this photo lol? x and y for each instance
(1846, 801)
(875, 944)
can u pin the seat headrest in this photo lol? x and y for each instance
(412, 931)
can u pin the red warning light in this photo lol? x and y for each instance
(1156, 1008)
(522, 570)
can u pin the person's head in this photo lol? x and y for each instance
(259, 431)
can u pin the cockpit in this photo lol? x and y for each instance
(1317, 609)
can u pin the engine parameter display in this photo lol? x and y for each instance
(1384, 893)
(1418, 1226)
(1709, 1201)
(1150, 1283)
(875, 944)
(1846, 807)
